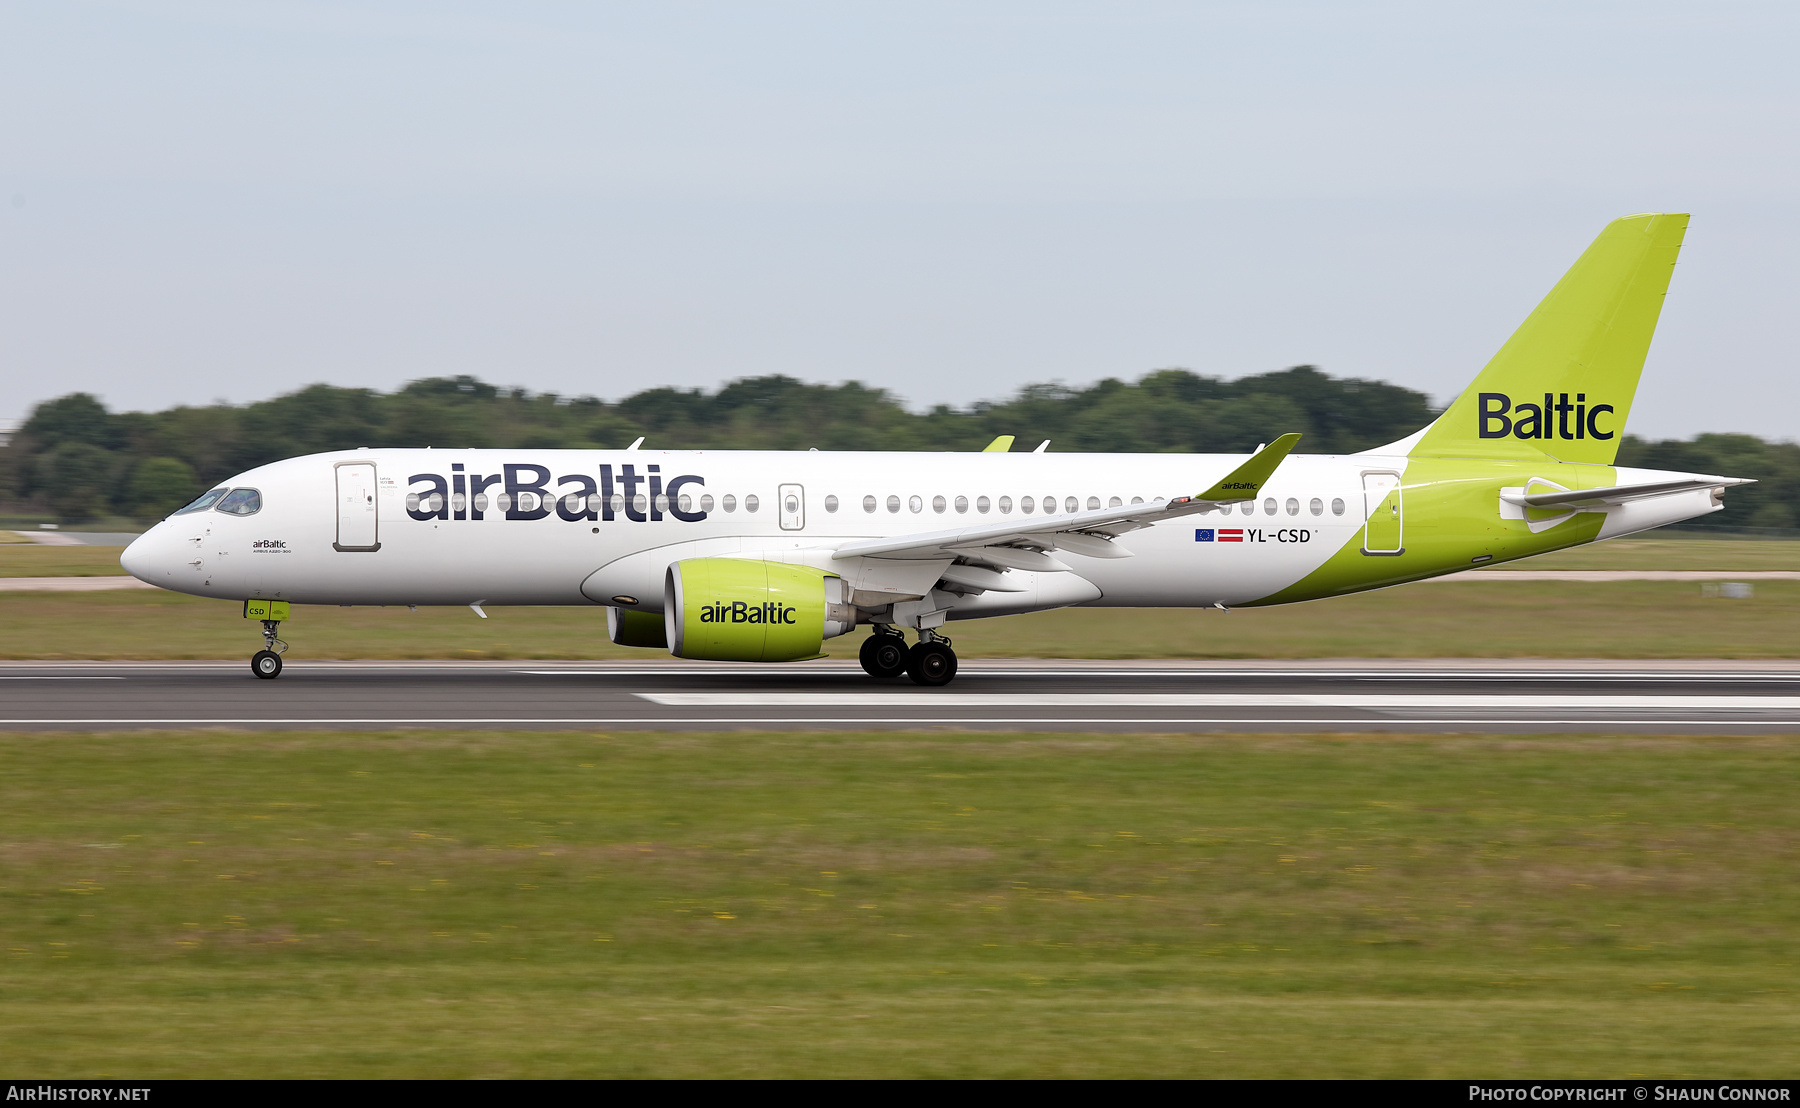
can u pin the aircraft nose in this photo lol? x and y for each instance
(144, 558)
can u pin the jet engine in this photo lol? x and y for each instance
(629, 628)
(741, 610)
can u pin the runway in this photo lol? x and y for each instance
(999, 694)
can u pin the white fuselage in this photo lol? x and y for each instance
(287, 549)
(593, 527)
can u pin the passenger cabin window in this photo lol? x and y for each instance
(868, 503)
(751, 503)
(241, 502)
(206, 501)
(1337, 507)
(831, 503)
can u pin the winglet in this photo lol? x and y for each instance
(999, 446)
(1244, 482)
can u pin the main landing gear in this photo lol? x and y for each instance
(930, 662)
(266, 663)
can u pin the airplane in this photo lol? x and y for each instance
(764, 556)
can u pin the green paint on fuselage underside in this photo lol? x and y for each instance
(1450, 516)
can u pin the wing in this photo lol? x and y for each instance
(1617, 494)
(1024, 544)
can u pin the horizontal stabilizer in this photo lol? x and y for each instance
(1617, 494)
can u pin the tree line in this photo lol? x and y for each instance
(75, 460)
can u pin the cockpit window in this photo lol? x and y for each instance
(206, 501)
(241, 502)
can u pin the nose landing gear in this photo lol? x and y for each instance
(266, 663)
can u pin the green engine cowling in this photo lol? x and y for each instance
(629, 628)
(741, 610)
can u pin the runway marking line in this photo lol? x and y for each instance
(1365, 701)
(863, 721)
(1393, 675)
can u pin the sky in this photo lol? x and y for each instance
(228, 201)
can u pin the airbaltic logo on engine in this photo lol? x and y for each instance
(739, 612)
(1499, 417)
(525, 492)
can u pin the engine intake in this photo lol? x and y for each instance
(741, 610)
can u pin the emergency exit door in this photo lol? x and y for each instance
(356, 507)
(1383, 531)
(791, 503)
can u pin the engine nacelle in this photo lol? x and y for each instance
(630, 628)
(740, 610)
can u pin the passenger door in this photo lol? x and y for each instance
(1383, 529)
(356, 515)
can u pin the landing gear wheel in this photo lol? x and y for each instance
(931, 663)
(883, 655)
(266, 664)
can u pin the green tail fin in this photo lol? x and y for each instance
(1579, 354)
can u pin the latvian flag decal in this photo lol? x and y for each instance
(1221, 534)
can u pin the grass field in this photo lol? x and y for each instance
(1658, 551)
(31, 560)
(1624, 619)
(447, 905)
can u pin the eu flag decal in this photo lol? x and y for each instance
(1203, 534)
